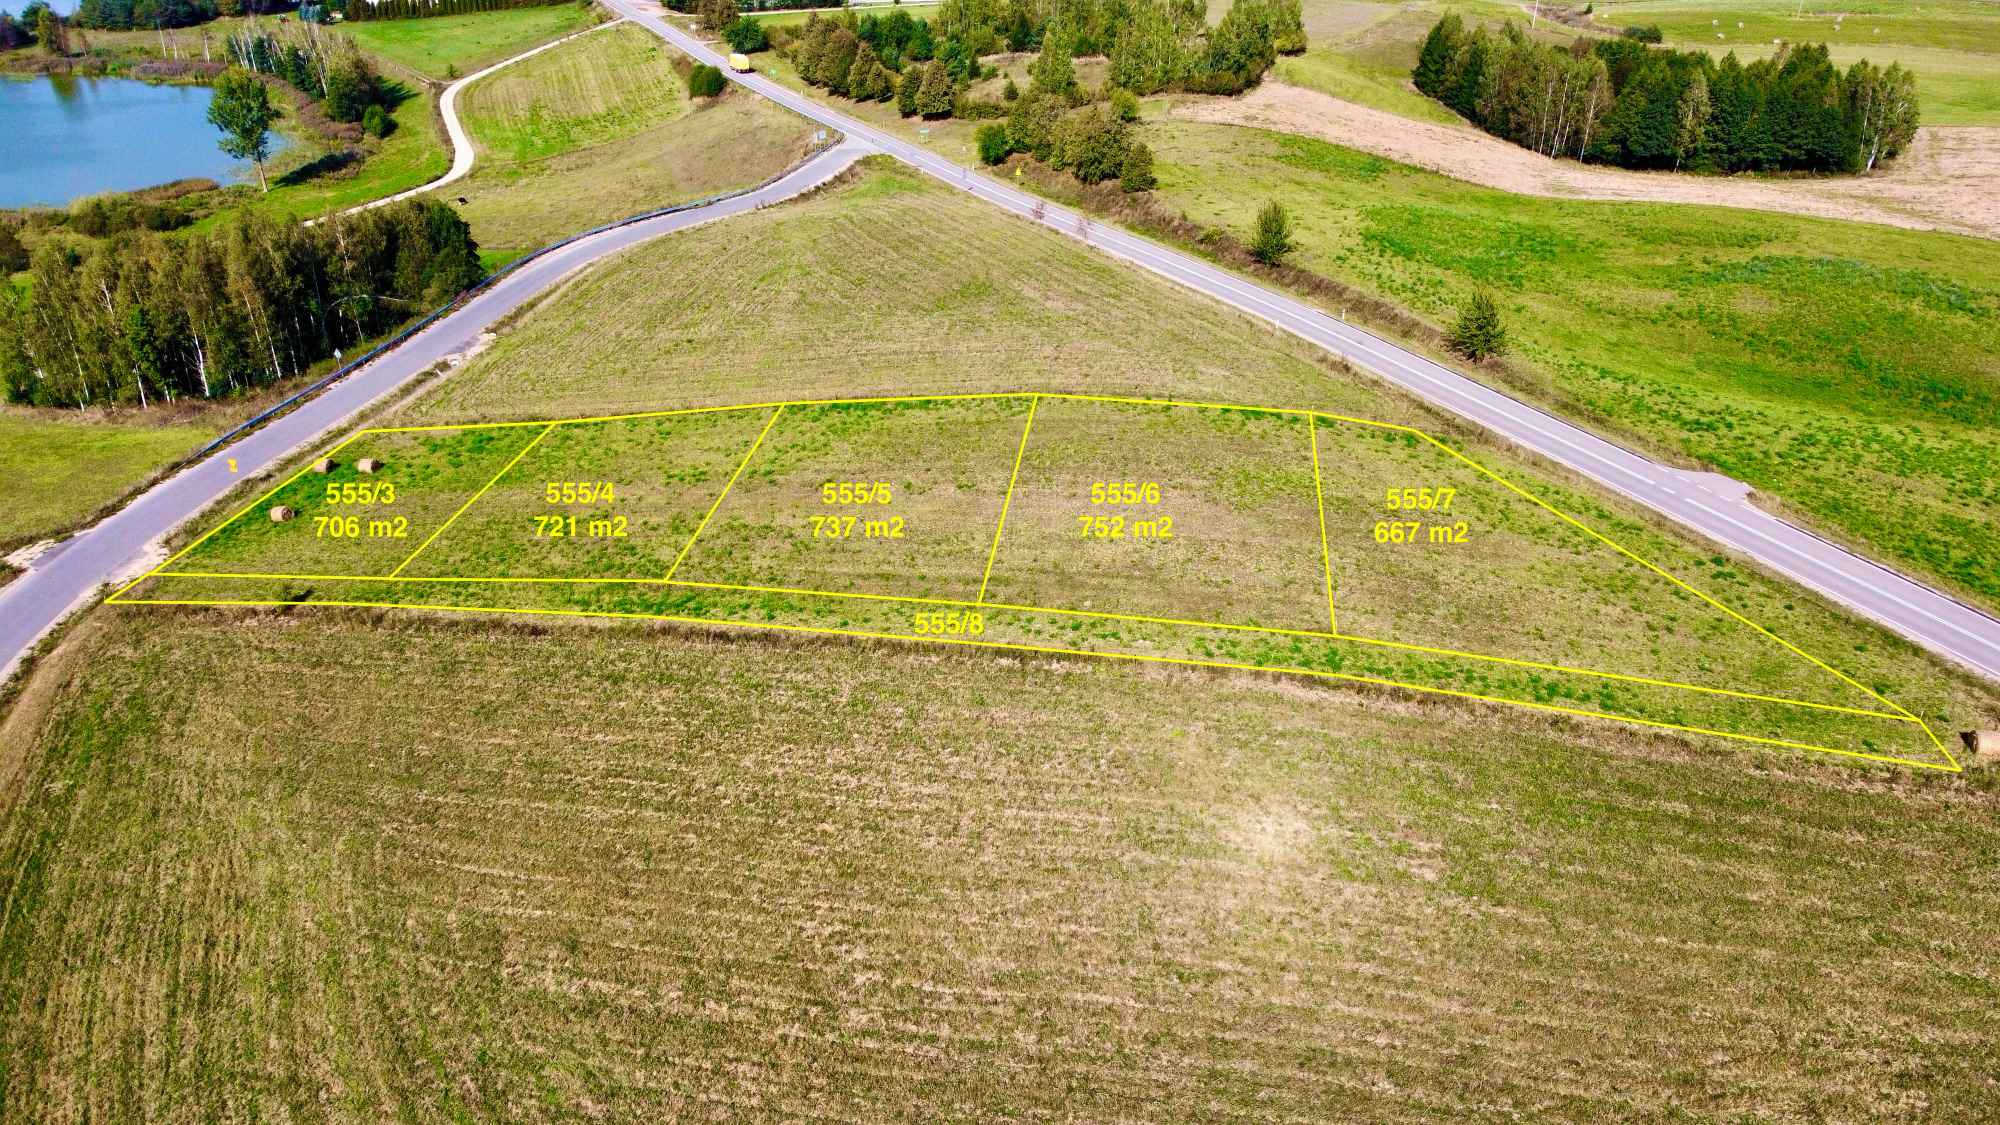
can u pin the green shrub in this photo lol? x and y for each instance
(1125, 103)
(1092, 143)
(1478, 333)
(994, 144)
(745, 35)
(1273, 239)
(375, 121)
(1138, 174)
(705, 81)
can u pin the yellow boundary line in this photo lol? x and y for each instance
(1319, 497)
(1270, 630)
(462, 508)
(724, 494)
(244, 511)
(1054, 650)
(1669, 576)
(778, 408)
(1007, 500)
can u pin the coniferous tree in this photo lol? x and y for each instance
(1273, 239)
(1478, 332)
(934, 95)
(1435, 58)
(1053, 71)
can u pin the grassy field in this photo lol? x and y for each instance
(447, 46)
(1843, 367)
(600, 129)
(56, 468)
(796, 18)
(1847, 369)
(412, 155)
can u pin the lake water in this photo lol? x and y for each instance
(62, 137)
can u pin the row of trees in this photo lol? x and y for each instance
(1621, 102)
(144, 318)
(125, 15)
(362, 10)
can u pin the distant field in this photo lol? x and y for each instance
(1952, 45)
(795, 18)
(602, 87)
(435, 47)
(57, 469)
(1957, 25)
(1363, 50)
(600, 129)
(1846, 368)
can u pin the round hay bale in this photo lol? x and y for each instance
(368, 465)
(1983, 744)
(282, 512)
(323, 465)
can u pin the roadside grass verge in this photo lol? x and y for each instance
(60, 466)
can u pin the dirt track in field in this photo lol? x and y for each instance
(1949, 180)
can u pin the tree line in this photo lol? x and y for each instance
(1154, 45)
(144, 318)
(37, 23)
(362, 10)
(1619, 101)
(324, 65)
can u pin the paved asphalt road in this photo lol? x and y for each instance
(1711, 504)
(73, 570)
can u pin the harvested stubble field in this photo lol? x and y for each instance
(600, 129)
(275, 865)
(322, 864)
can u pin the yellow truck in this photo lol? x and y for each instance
(740, 63)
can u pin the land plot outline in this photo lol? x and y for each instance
(1206, 534)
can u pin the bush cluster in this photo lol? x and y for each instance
(323, 65)
(1093, 142)
(705, 81)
